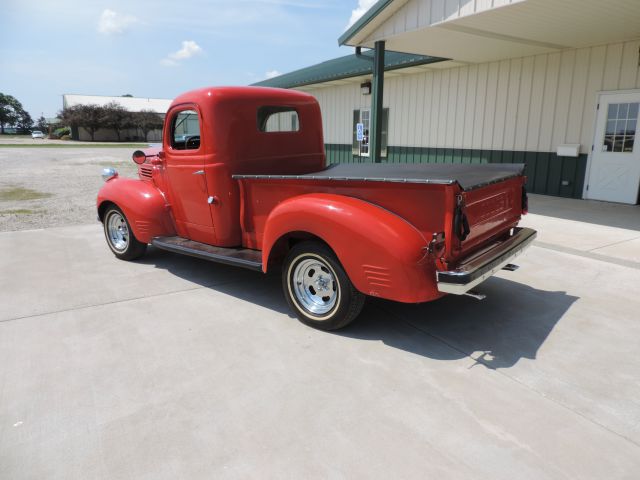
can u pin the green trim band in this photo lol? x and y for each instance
(363, 21)
(547, 173)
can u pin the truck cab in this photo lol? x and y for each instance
(241, 178)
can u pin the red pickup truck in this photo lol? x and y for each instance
(241, 179)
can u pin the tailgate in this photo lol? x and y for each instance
(490, 211)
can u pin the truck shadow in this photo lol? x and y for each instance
(510, 324)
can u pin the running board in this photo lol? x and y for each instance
(240, 257)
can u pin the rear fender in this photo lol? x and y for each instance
(383, 254)
(142, 203)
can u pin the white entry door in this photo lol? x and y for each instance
(614, 174)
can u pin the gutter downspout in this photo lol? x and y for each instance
(377, 90)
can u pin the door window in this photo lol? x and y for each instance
(185, 131)
(620, 130)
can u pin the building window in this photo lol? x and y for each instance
(185, 131)
(620, 133)
(362, 148)
(278, 119)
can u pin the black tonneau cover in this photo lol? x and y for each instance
(468, 176)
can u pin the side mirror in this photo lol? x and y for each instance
(139, 157)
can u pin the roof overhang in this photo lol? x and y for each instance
(519, 28)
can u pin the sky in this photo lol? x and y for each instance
(160, 48)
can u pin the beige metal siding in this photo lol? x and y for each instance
(533, 103)
(417, 14)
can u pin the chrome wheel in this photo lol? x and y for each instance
(314, 285)
(117, 231)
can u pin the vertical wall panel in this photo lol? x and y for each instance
(552, 75)
(612, 67)
(481, 95)
(535, 107)
(435, 105)
(461, 105)
(595, 76)
(414, 137)
(490, 108)
(511, 114)
(567, 64)
(629, 66)
(411, 19)
(450, 139)
(504, 70)
(524, 103)
(578, 88)
(470, 110)
(443, 108)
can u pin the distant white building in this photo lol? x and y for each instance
(131, 104)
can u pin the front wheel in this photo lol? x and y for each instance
(120, 238)
(318, 289)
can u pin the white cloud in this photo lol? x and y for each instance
(363, 6)
(272, 74)
(114, 23)
(188, 50)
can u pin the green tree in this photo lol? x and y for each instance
(117, 118)
(42, 125)
(92, 118)
(71, 116)
(25, 122)
(148, 121)
(12, 113)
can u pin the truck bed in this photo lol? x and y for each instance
(422, 194)
(469, 177)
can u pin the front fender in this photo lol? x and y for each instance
(142, 203)
(381, 252)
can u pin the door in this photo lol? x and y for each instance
(185, 171)
(614, 174)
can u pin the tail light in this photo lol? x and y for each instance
(525, 200)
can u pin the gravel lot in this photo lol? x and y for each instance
(60, 183)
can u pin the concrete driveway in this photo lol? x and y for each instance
(176, 368)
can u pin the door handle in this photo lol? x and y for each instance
(199, 172)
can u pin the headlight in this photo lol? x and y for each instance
(109, 173)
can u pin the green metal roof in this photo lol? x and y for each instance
(345, 67)
(369, 15)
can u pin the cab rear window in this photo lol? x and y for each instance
(278, 119)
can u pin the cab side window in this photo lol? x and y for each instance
(185, 131)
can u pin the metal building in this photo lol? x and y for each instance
(554, 84)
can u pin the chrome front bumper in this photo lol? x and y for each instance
(477, 268)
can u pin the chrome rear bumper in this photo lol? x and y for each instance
(479, 267)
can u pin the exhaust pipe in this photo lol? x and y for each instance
(476, 295)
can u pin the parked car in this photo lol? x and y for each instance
(37, 134)
(253, 190)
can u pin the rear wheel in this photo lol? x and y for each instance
(318, 289)
(120, 238)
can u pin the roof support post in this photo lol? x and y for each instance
(375, 135)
